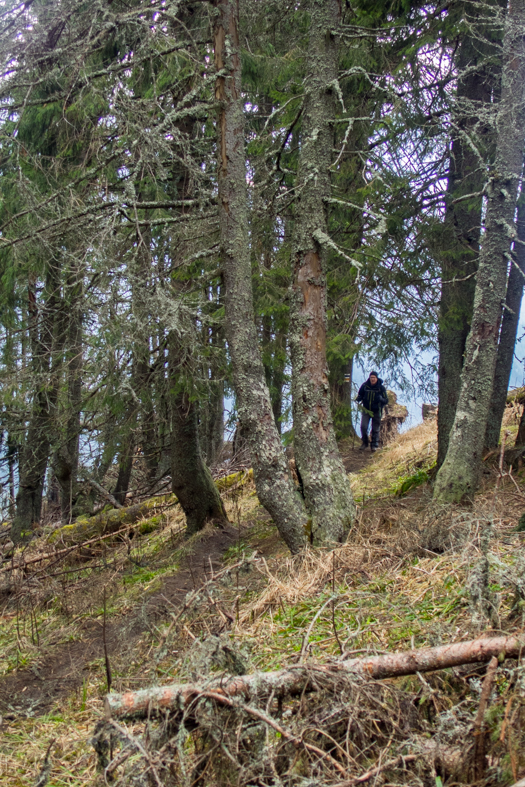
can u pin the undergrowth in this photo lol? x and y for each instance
(407, 577)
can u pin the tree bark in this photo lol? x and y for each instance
(458, 476)
(295, 681)
(273, 481)
(509, 332)
(191, 480)
(125, 460)
(327, 491)
(462, 231)
(46, 342)
(66, 456)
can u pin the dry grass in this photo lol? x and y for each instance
(402, 580)
(412, 450)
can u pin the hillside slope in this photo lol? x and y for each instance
(228, 602)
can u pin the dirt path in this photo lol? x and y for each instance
(354, 459)
(62, 671)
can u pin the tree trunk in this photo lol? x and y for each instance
(46, 342)
(462, 231)
(509, 332)
(66, 457)
(296, 681)
(326, 486)
(191, 480)
(125, 462)
(273, 481)
(458, 476)
(211, 411)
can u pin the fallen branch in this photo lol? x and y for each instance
(109, 521)
(103, 492)
(299, 678)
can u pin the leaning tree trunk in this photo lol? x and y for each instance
(326, 486)
(509, 331)
(273, 481)
(458, 476)
(191, 480)
(461, 231)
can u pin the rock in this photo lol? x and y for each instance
(429, 411)
(394, 415)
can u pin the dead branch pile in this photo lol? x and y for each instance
(337, 729)
(301, 678)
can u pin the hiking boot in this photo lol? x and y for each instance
(373, 449)
(363, 447)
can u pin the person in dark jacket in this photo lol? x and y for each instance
(372, 397)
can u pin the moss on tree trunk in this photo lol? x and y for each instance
(326, 486)
(458, 476)
(273, 480)
(509, 332)
(461, 229)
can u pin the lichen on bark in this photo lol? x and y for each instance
(458, 476)
(273, 481)
(326, 486)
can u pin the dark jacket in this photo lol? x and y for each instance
(373, 397)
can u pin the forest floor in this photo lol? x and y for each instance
(168, 609)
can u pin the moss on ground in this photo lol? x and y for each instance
(401, 581)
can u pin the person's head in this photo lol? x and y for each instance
(373, 377)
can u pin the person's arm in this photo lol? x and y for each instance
(360, 394)
(384, 396)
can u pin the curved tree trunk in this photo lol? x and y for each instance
(191, 480)
(509, 331)
(458, 476)
(273, 481)
(326, 487)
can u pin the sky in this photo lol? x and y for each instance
(414, 403)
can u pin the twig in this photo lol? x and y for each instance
(138, 745)
(286, 734)
(194, 593)
(306, 637)
(45, 770)
(365, 777)
(336, 635)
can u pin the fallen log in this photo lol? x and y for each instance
(57, 554)
(110, 521)
(303, 677)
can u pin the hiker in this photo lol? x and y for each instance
(372, 397)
